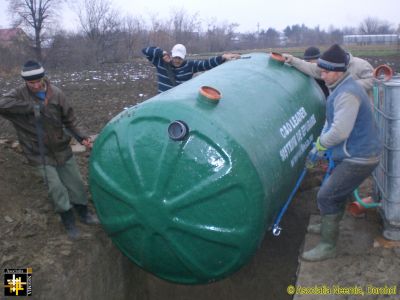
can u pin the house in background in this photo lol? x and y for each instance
(12, 36)
(15, 47)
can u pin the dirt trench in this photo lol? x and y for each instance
(92, 267)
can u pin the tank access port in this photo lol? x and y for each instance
(178, 130)
(383, 70)
(276, 56)
(208, 94)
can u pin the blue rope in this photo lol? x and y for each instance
(331, 165)
(276, 230)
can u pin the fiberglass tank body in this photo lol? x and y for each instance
(187, 186)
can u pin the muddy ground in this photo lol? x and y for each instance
(32, 236)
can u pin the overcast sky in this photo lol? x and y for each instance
(251, 13)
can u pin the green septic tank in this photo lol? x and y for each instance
(186, 185)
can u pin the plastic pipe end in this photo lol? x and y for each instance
(384, 70)
(209, 94)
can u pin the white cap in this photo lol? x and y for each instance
(178, 51)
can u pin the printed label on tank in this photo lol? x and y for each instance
(292, 125)
(293, 122)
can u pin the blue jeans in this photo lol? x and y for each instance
(344, 179)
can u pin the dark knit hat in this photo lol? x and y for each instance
(333, 59)
(311, 53)
(32, 70)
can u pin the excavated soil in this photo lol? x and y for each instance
(92, 268)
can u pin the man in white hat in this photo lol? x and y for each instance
(173, 69)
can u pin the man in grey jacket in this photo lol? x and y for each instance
(360, 69)
(350, 136)
(42, 117)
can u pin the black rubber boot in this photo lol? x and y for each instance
(85, 216)
(68, 220)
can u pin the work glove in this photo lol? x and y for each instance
(288, 57)
(311, 158)
(319, 146)
(230, 56)
(166, 57)
(315, 157)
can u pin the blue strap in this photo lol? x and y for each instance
(331, 165)
(40, 134)
(276, 230)
(41, 95)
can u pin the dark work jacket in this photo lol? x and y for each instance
(323, 87)
(57, 117)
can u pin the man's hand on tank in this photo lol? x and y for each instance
(230, 56)
(166, 57)
(288, 57)
(319, 146)
(87, 142)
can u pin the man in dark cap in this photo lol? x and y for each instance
(360, 69)
(350, 136)
(42, 117)
(311, 54)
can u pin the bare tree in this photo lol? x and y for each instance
(100, 24)
(135, 32)
(93, 17)
(335, 35)
(349, 30)
(294, 34)
(159, 33)
(372, 25)
(184, 26)
(219, 36)
(35, 16)
(271, 37)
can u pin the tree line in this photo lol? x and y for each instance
(104, 36)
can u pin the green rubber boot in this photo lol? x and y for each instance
(316, 228)
(327, 245)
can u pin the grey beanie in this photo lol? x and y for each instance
(334, 59)
(311, 53)
(32, 70)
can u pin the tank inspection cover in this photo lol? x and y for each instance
(178, 130)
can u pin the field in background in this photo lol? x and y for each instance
(375, 54)
(356, 50)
